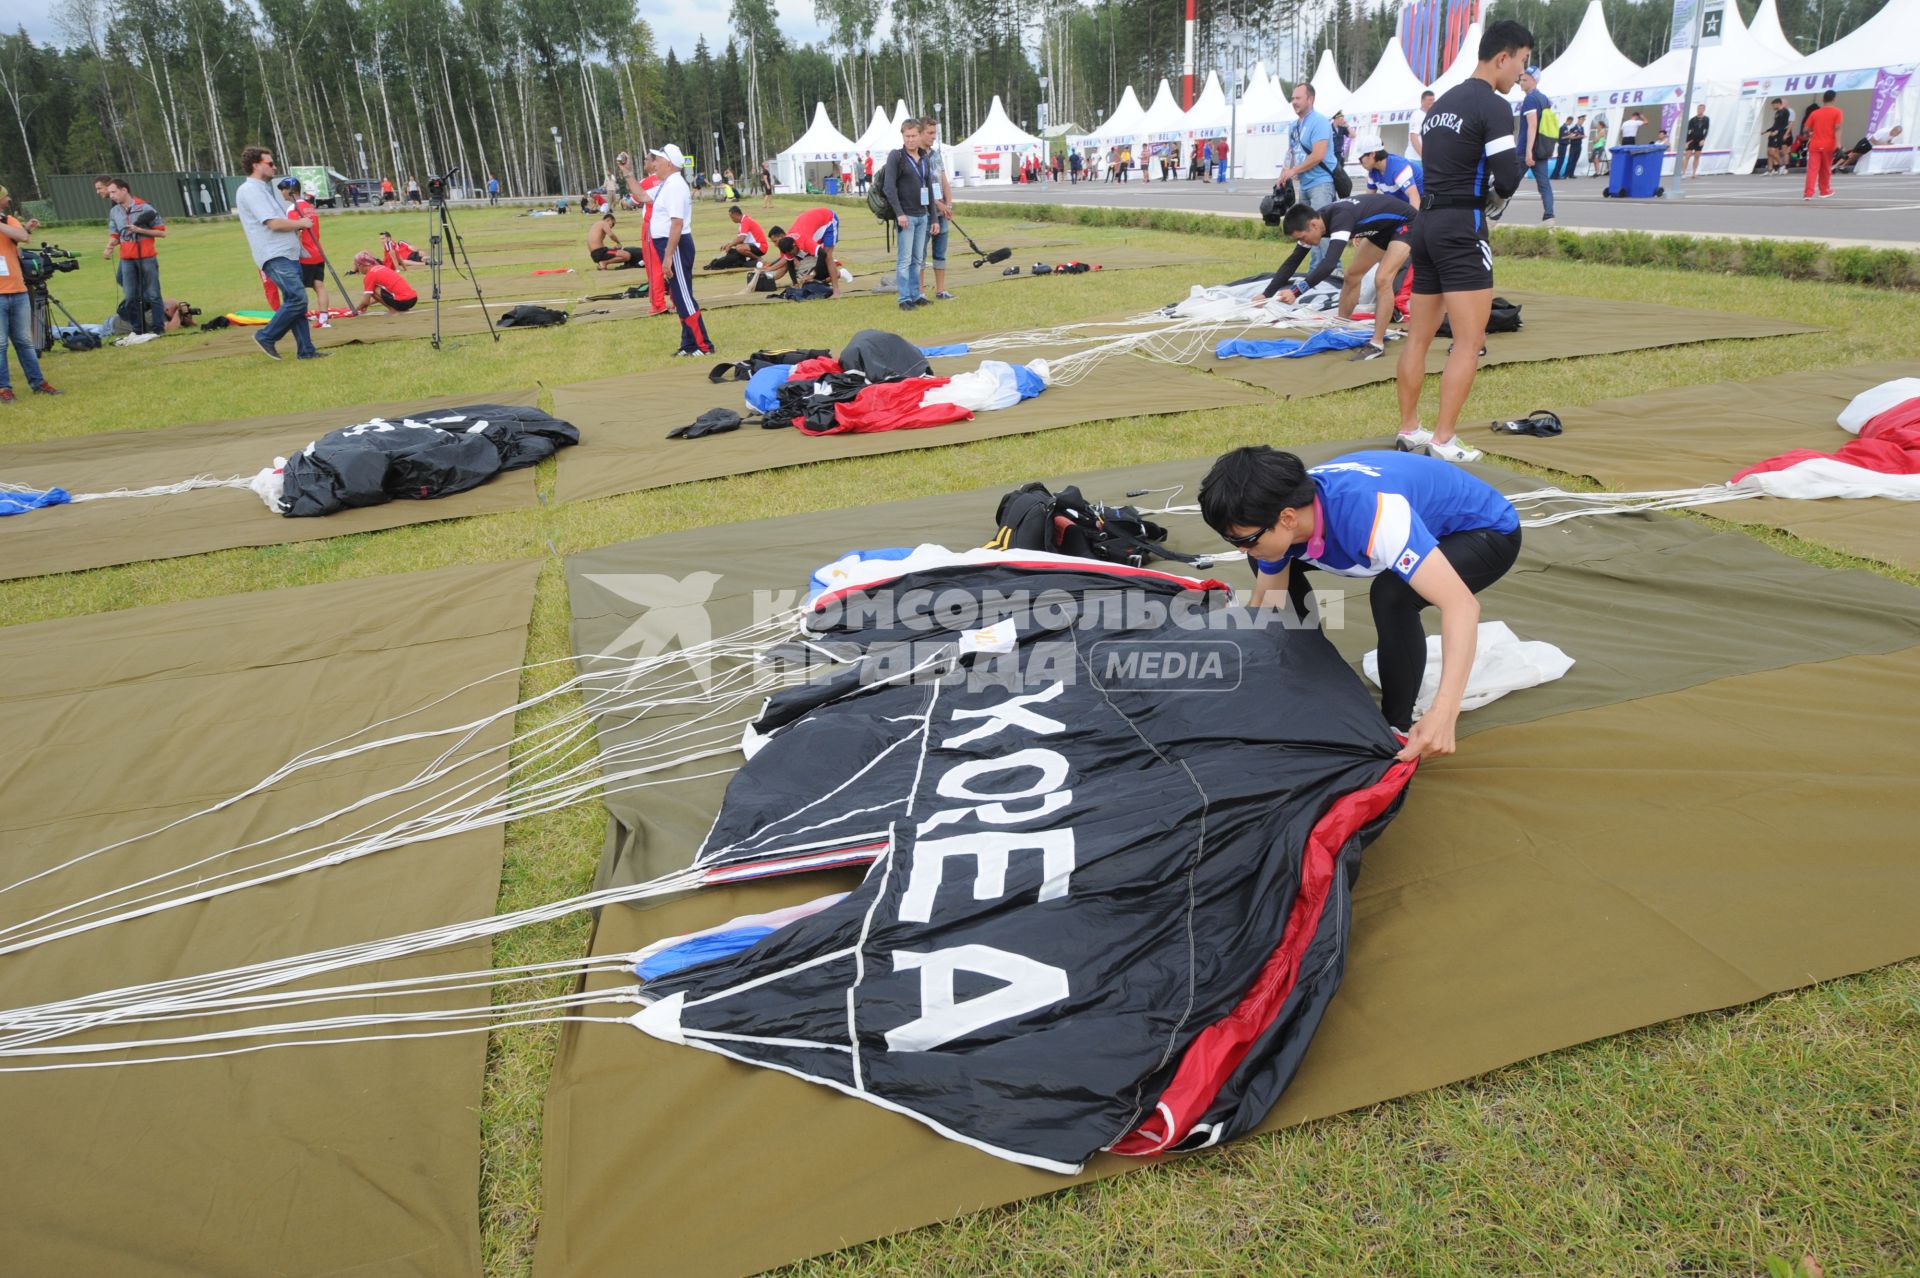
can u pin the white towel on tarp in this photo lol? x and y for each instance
(1502, 663)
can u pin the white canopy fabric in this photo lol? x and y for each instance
(1591, 63)
(821, 144)
(1264, 118)
(1767, 31)
(882, 135)
(1123, 127)
(1211, 114)
(1330, 92)
(1388, 96)
(1890, 38)
(1165, 121)
(992, 152)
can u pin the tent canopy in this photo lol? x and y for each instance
(1330, 92)
(1212, 114)
(882, 135)
(1468, 57)
(1124, 125)
(1722, 67)
(1392, 90)
(821, 142)
(1591, 61)
(1767, 31)
(1889, 38)
(1165, 121)
(998, 133)
(1264, 101)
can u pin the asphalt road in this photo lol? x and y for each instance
(1880, 208)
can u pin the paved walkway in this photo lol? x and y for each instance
(1880, 208)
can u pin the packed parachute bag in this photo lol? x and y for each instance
(742, 370)
(1065, 523)
(1503, 318)
(436, 455)
(528, 315)
(883, 356)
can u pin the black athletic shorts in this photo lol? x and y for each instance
(1384, 240)
(395, 304)
(1450, 252)
(1696, 146)
(600, 254)
(312, 274)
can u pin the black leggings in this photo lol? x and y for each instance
(1480, 555)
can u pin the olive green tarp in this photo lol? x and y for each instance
(1701, 812)
(134, 529)
(1556, 327)
(624, 447)
(360, 1158)
(1706, 434)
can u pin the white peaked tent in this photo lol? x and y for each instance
(993, 152)
(1264, 118)
(1121, 128)
(1210, 118)
(1590, 64)
(1878, 63)
(882, 135)
(1724, 70)
(1767, 31)
(1330, 92)
(1385, 102)
(1163, 131)
(1466, 60)
(819, 151)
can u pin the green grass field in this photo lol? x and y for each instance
(1729, 1143)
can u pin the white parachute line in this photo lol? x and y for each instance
(567, 727)
(180, 993)
(404, 987)
(322, 1042)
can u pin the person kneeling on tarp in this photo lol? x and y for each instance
(1426, 531)
(603, 246)
(814, 234)
(1380, 223)
(383, 285)
(746, 248)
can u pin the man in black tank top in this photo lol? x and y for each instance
(1467, 145)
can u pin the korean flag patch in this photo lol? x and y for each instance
(1404, 564)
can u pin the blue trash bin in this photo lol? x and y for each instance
(1635, 172)
(833, 186)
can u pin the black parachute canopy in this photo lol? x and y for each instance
(435, 455)
(1111, 829)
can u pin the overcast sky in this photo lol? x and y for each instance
(676, 23)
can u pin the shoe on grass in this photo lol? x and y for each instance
(1369, 351)
(45, 388)
(263, 347)
(944, 296)
(1453, 450)
(1412, 441)
(6, 394)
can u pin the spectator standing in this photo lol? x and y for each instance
(141, 227)
(1597, 154)
(1779, 137)
(1074, 164)
(766, 184)
(1823, 139)
(1696, 141)
(493, 190)
(1419, 118)
(413, 191)
(16, 311)
(313, 261)
(670, 226)
(111, 253)
(1220, 160)
(1566, 146)
(1630, 128)
(908, 190)
(940, 212)
(273, 239)
(1342, 139)
(1310, 158)
(1536, 146)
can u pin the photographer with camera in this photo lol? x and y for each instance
(16, 313)
(140, 227)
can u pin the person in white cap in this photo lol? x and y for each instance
(670, 226)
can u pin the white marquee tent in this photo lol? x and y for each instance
(1385, 102)
(1766, 29)
(992, 153)
(1121, 128)
(821, 150)
(1264, 118)
(1725, 82)
(1163, 131)
(1875, 70)
(1590, 64)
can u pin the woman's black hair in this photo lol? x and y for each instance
(1249, 487)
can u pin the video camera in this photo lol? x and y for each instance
(437, 186)
(38, 265)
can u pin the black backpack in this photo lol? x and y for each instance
(741, 370)
(1033, 518)
(1503, 318)
(527, 315)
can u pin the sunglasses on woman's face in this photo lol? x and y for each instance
(1246, 542)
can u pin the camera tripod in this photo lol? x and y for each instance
(39, 299)
(440, 228)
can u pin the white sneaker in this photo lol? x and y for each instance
(1413, 441)
(1453, 451)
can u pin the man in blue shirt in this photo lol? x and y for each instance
(1536, 150)
(1310, 157)
(1425, 531)
(1391, 174)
